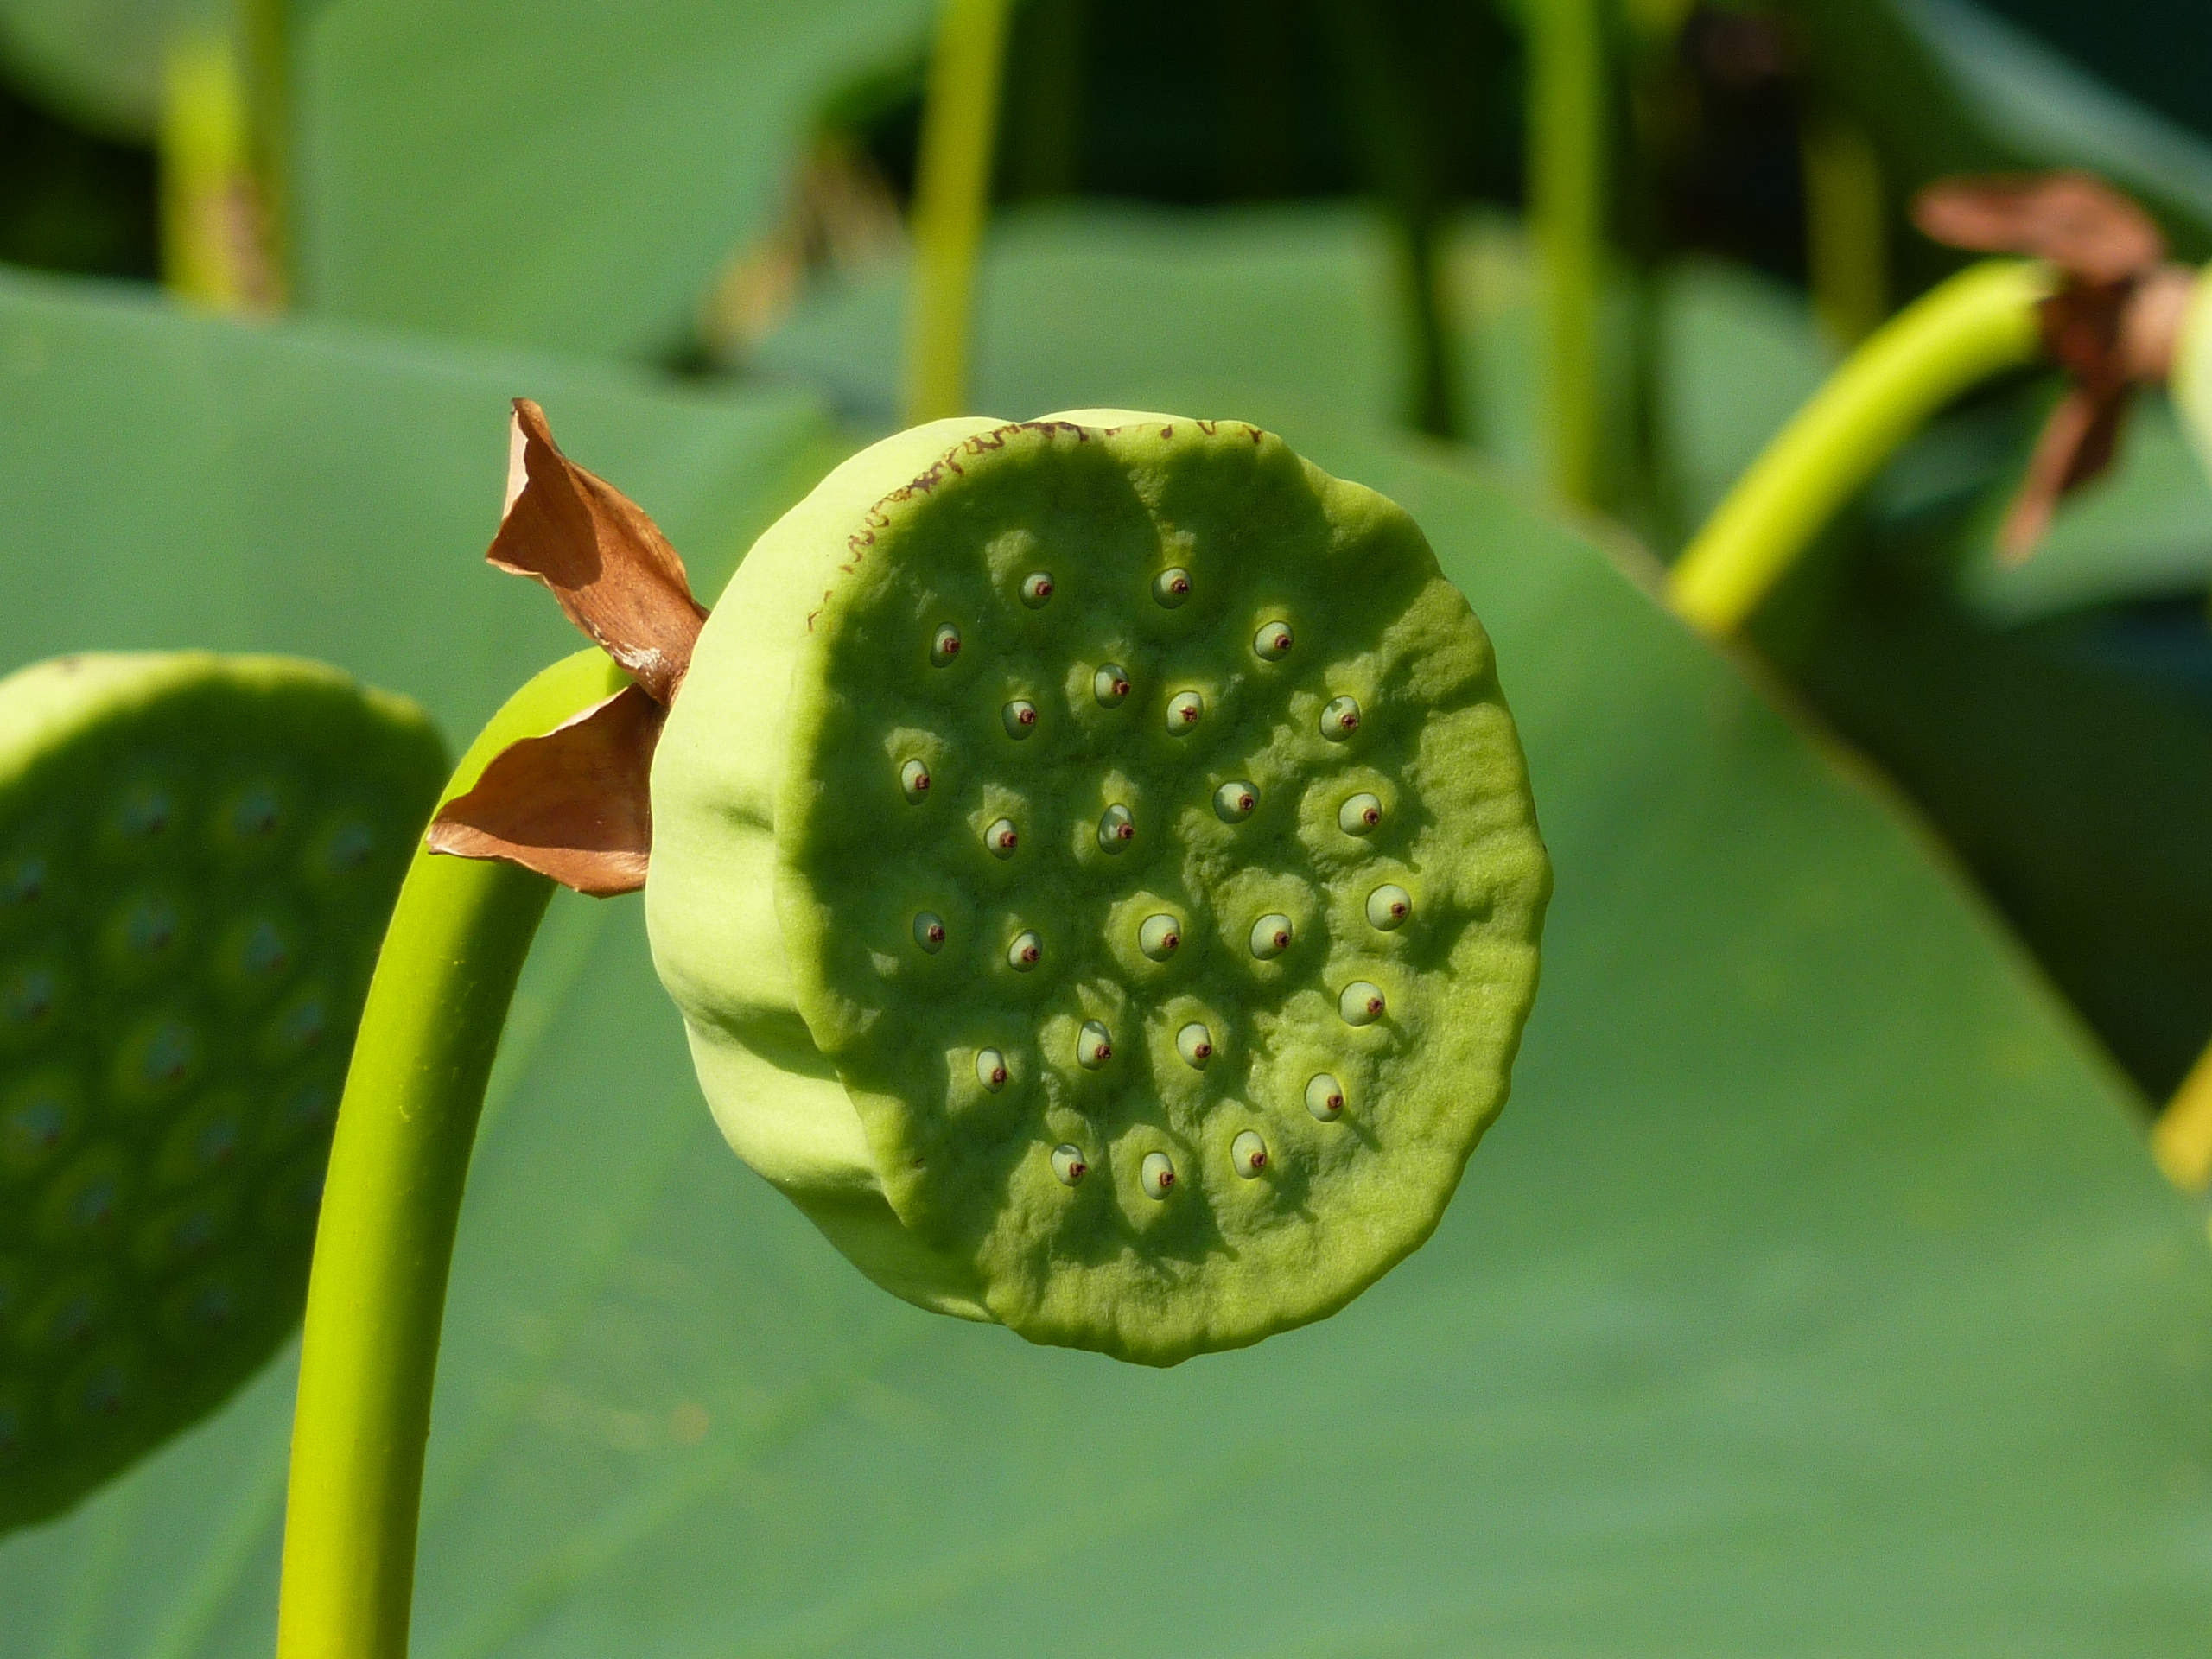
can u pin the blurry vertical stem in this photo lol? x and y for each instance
(1567, 146)
(952, 188)
(1384, 111)
(375, 1297)
(1981, 322)
(222, 129)
(1846, 248)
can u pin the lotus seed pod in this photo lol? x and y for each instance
(837, 1055)
(198, 854)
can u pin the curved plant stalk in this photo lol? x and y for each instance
(2182, 1138)
(375, 1297)
(1567, 142)
(952, 190)
(1979, 323)
(1845, 224)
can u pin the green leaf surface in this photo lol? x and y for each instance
(616, 156)
(1815, 1293)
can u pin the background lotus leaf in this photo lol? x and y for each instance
(1816, 1291)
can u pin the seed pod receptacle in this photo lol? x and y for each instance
(1210, 569)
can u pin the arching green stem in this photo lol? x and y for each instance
(1567, 145)
(1979, 323)
(952, 190)
(377, 1293)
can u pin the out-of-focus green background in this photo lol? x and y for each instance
(1817, 1293)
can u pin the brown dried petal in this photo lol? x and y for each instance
(2077, 443)
(603, 558)
(572, 804)
(2073, 219)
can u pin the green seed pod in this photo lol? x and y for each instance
(1182, 1194)
(198, 854)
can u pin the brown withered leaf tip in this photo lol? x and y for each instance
(607, 565)
(574, 805)
(2110, 323)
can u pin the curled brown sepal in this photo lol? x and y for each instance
(2113, 320)
(607, 563)
(572, 805)
(576, 804)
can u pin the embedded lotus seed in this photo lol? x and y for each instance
(1002, 838)
(1069, 1165)
(1248, 1153)
(1272, 642)
(1021, 718)
(1036, 588)
(929, 931)
(1160, 937)
(1195, 1043)
(1110, 685)
(945, 646)
(914, 779)
(1116, 828)
(1360, 815)
(1361, 1003)
(1340, 719)
(1324, 1098)
(1270, 936)
(1389, 906)
(1171, 586)
(1094, 1046)
(1159, 1174)
(1234, 802)
(1025, 952)
(990, 1069)
(1183, 711)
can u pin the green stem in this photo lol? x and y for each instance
(1980, 322)
(1567, 142)
(375, 1297)
(952, 188)
(1383, 106)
